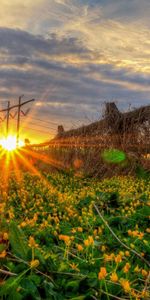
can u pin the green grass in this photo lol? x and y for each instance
(64, 237)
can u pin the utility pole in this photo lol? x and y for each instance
(8, 109)
(7, 120)
(18, 123)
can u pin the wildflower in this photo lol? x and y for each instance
(23, 224)
(132, 246)
(144, 273)
(79, 247)
(65, 238)
(118, 258)
(86, 243)
(80, 229)
(126, 285)
(134, 294)
(74, 267)
(137, 269)
(91, 241)
(103, 248)
(5, 236)
(95, 232)
(32, 242)
(100, 230)
(114, 277)
(145, 294)
(127, 253)
(34, 263)
(102, 274)
(3, 254)
(126, 268)
(109, 257)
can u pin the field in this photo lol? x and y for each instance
(66, 237)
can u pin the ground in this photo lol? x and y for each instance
(66, 237)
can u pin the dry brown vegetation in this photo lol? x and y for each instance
(128, 132)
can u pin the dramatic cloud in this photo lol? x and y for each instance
(73, 55)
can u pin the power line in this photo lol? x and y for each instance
(45, 121)
(34, 129)
(51, 128)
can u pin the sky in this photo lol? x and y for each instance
(72, 56)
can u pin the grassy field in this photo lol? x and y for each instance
(66, 237)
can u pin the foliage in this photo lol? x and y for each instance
(54, 245)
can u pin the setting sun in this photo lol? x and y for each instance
(9, 143)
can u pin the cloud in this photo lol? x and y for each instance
(72, 55)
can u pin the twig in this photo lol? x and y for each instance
(7, 273)
(115, 297)
(146, 282)
(116, 237)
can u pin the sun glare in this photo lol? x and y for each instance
(9, 143)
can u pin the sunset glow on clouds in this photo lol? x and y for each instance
(73, 55)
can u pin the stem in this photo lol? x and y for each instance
(32, 253)
(116, 237)
(7, 273)
(107, 294)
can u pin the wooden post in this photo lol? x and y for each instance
(18, 123)
(7, 120)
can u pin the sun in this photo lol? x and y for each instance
(9, 143)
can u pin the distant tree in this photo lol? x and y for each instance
(60, 130)
(27, 142)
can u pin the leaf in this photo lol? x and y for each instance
(49, 290)
(78, 298)
(73, 285)
(11, 284)
(18, 241)
(14, 295)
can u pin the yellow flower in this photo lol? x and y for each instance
(102, 274)
(3, 254)
(65, 238)
(34, 263)
(145, 294)
(86, 243)
(118, 258)
(74, 267)
(103, 248)
(5, 236)
(126, 285)
(127, 253)
(132, 246)
(137, 269)
(23, 224)
(90, 239)
(129, 232)
(32, 242)
(126, 268)
(114, 277)
(109, 257)
(95, 232)
(144, 273)
(79, 247)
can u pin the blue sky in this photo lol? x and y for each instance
(73, 55)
